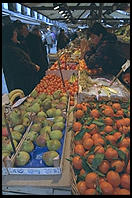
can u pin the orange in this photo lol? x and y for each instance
(71, 103)
(123, 191)
(93, 129)
(90, 191)
(101, 179)
(88, 143)
(104, 166)
(125, 181)
(109, 112)
(78, 114)
(120, 123)
(82, 172)
(94, 113)
(124, 129)
(85, 154)
(85, 136)
(79, 149)
(119, 113)
(99, 141)
(108, 129)
(77, 142)
(81, 186)
(111, 153)
(91, 180)
(96, 136)
(116, 106)
(118, 164)
(128, 168)
(99, 149)
(127, 121)
(79, 106)
(111, 138)
(128, 140)
(77, 126)
(106, 188)
(124, 143)
(113, 178)
(108, 121)
(117, 135)
(77, 162)
(116, 191)
(84, 108)
(90, 158)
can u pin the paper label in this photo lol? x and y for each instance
(126, 65)
(20, 101)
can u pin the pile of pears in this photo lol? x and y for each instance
(46, 130)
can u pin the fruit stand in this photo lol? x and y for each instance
(93, 133)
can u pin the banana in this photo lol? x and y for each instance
(18, 94)
(14, 92)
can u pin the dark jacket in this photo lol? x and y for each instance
(106, 55)
(62, 41)
(37, 53)
(18, 69)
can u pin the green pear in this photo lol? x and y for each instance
(58, 112)
(53, 145)
(16, 135)
(58, 126)
(30, 99)
(49, 156)
(56, 134)
(51, 112)
(46, 104)
(20, 128)
(42, 96)
(26, 122)
(36, 127)
(37, 100)
(41, 141)
(27, 146)
(34, 108)
(5, 153)
(42, 114)
(50, 97)
(22, 158)
(63, 99)
(46, 129)
(15, 117)
(8, 146)
(59, 119)
(32, 135)
(27, 104)
(57, 94)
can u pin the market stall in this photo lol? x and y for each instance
(71, 135)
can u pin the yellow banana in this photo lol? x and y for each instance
(18, 94)
(14, 92)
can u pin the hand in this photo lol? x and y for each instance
(37, 68)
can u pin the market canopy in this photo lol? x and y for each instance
(84, 13)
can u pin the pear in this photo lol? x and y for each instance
(59, 119)
(46, 129)
(34, 108)
(58, 112)
(50, 97)
(51, 112)
(49, 156)
(56, 134)
(47, 104)
(22, 158)
(42, 114)
(42, 96)
(58, 126)
(34, 93)
(61, 106)
(20, 128)
(30, 99)
(27, 146)
(53, 145)
(27, 104)
(32, 135)
(26, 122)
(41, 141)
(27, 115)
(37, 100)
(8, 146)
(63, 99)
(5, 153)
(36, 127)
(15, 117)
(39, 120)
(57, 94)
(16, 135)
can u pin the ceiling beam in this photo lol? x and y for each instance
(109, 19)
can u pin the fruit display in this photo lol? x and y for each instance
(123, 33)
(101, 152)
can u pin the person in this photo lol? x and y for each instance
(49, 40)
(62, 40)
(39, 54)
(20, 72)
(105, 53)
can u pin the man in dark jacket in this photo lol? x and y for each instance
(62, 40)
(105, 54)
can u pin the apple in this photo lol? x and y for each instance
(4, 132)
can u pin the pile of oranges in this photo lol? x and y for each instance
(101, 159)
(51, 83)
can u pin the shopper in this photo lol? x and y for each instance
(20, 72)
(49, 40)
(105, 54)
(62, 40)
(39, 54)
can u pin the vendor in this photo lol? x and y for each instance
(105, 53)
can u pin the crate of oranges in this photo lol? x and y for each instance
(100, 160)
